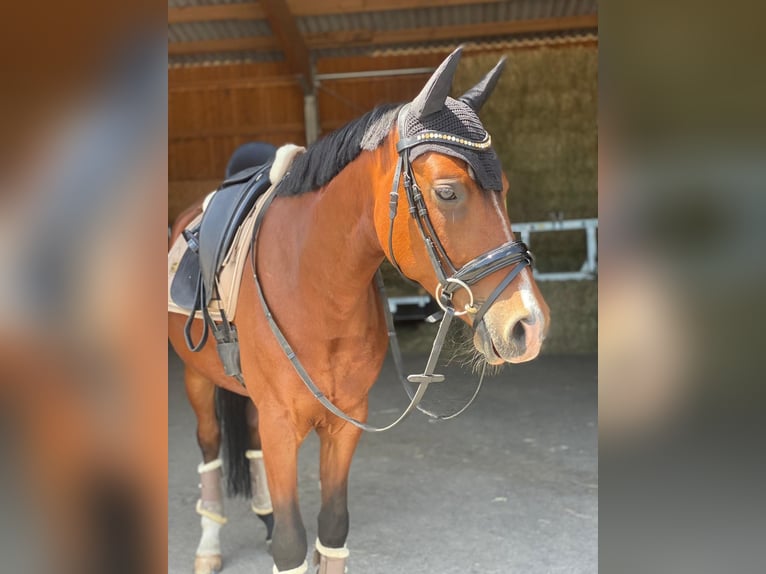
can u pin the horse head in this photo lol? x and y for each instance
(444, 223)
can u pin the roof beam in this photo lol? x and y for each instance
(371, 37)
(248, 11)
(284, 26)
(266, 43)
(314, 8)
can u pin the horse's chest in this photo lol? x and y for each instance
(344, 355)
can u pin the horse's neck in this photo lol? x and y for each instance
(338, 248)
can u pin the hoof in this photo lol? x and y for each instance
(208, 564)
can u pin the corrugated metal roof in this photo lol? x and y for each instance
(221, 29)
(498, 43)
(383, 21)
(494, 43)
(446, 15)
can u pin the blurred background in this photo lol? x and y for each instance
(681, 96)
(83, 187)
(682, 277)
(295, 70)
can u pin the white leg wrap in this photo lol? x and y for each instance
(331, 552)
(330, 560)
(261, 502)
(210, 508)
(212, 511)
(302, 569)
(208, 466)
(210, 543)
(210, 481)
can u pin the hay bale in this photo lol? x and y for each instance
(574, 316)
(542, 117)
(543, 121)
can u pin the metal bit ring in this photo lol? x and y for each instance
(468, 307)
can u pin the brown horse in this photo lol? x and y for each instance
(330, 226)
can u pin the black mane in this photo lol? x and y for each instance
(325, 158)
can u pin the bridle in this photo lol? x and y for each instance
(450, 279)
(513, 254)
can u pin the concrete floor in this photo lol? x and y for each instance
(510, 486)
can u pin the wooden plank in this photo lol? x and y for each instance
(223, 45)
(233, 131)
(252, 71)
(215, 12)
(284, 26)
(231, 84)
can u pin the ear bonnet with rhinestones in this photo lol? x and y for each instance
(434, 113)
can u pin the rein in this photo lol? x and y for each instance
(450, 279)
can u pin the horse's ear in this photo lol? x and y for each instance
(476, 96)
(432, 97)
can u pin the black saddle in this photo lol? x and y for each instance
(194, 284)
(212, 238)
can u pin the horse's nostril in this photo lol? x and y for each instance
(518, 333)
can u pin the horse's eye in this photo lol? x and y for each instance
(445, 193)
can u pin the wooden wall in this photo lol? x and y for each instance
(214, 109)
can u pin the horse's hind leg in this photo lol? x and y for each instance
(336, 452)
(261, 499)
(201, 393)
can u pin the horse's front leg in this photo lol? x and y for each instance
(280, 442)
(338, 443)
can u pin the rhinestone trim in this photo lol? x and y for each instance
(439, 136)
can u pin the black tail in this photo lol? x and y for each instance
(232, 415)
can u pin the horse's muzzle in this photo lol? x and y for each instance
(517, 341)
